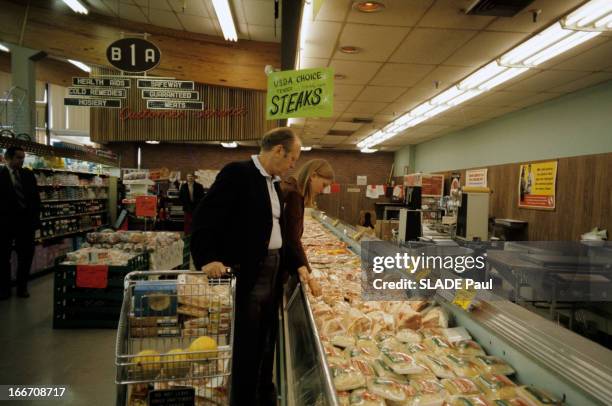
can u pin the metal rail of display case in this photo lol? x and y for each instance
(544, 353)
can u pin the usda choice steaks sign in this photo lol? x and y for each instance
(300, 93)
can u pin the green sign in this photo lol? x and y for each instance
(300, 93)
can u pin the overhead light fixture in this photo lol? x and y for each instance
(224, 15)
(349, 49)
(368, 150)
(4, 48)
(152, 142)
(232, 144)
(595, 14)
(369, 6)
(303, 148)
(80, 65)
(76, 6)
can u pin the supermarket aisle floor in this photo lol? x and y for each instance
(33, 353)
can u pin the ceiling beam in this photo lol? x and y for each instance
(185, 55)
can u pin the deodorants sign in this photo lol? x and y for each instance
(133, 55)
(300, 93)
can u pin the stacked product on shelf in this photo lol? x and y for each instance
(399, 353)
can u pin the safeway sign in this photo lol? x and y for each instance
(300, 93)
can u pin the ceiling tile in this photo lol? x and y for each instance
(313, 63)
(100, 7)
(197, 24)
(191, 7)
(259, 12)
(340, 106)
(597, 58)
(321, 39)
(346, 126)
(243, 31)
(381, 93)
(132, 13)
(163, 18)
(401, 74)
(369, 108)
(430, 45)
(576, 51)
(587, 81)
(237, 11)
(446, 76)
(263, 33)
(368, 39)
(547, 80)
(157, 4)
(334, 10)
(449, 14)
(113, 5)
(384, 118)
(346, 92)
(416, 95)
(551, 10)
(397, 12)
(357, 73)
(483, 48)
(333, 139)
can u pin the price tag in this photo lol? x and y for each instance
(172, 397)
(464, 298)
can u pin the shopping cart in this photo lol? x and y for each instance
(175, 339)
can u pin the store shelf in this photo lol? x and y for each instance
(83, 186)
(73, 215)
(83, 230)
(72, 200)
(68, 171)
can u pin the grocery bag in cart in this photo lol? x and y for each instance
(175, 338)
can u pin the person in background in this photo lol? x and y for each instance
(190, 194)
(240, 224)
(367, 220)
(299, 192)
(19, 219)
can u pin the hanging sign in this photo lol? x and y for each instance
(86, 102)
(170, 94)
(174, 105)
(166, 84)
(101, 82)
(537, 185)
(97, 92)
(476, 177)
(133, 55)
(300, 93)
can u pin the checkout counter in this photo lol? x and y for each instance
(544, 353)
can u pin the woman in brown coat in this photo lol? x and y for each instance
(300, 192)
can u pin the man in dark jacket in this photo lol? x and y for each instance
(239, 224)
(190, 195)
(19, 219)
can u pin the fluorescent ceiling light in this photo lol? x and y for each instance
(306, 148)
(232, 144)
(501, 78)
(224, 15)
(152, 142)
(76, 6)
(368, 150)
(4, 48)
(575, 39)
(482, 75)
(592, 13)
(80, 65)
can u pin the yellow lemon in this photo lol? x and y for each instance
(148, 360)
(177, 359)
(203, 343)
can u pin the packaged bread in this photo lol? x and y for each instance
(493, 365)
(476, 400)
(367, 345)
(438, 345)
(362, 397)
(346, 377)
(401, 363)
(388, 388)
(462, 365)
(538, 397)
(436, 317)
(384, 371)
(436, 365)
(468, 347)
(343, 340)
(461, 386)
(409, 336)
(496, 386)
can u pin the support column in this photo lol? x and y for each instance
(22, 114)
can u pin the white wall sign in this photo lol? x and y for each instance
(476, 177)
(362, 180)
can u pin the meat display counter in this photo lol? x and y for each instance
(575, 370)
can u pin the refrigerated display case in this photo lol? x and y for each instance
(573, 368)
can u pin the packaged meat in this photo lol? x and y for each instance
(357, 323)
(343, 341)
(493, 365)
(469, 401)
(438, 345)
(368, 346)
(418, 305)
(462, 365)
(388, 388)
(346, 377)
(514, 401)
(407, 335)
(461, 386)
(429, 387)
(381, 321)
(343, 398)
(429, 332)
(401, 363)
(368, 307)
(364, 365)
(416, 348)
(436, 365)
(392, 344)
(332, 327)
(384, 371)
(331, 351)
(405, 317)
(363, 397)
(538, 397)
(496, 386)
(456, 334)
(436, 317)
(468, 347)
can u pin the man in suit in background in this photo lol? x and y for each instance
(19, 219)
(239, 224)
(190, 195)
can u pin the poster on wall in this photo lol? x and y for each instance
(455, 183)
(432, 185)
(362, 180)
(300, 93)
(537, 185)
(476, 177)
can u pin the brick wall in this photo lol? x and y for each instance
(190, 157)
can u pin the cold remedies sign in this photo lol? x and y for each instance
(300, 93)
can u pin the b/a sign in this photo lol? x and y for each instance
(133, 55)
